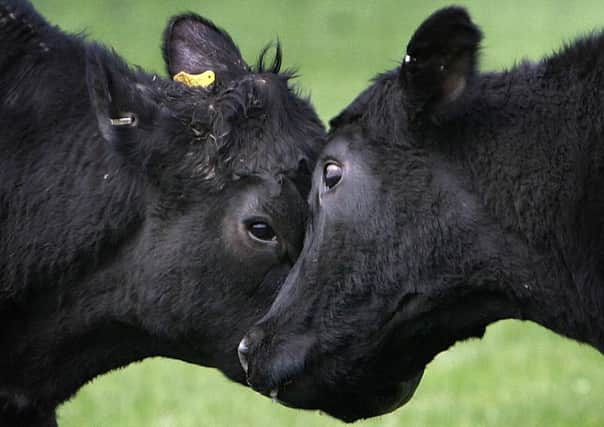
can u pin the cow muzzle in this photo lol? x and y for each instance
(284, 369)
(270, 363)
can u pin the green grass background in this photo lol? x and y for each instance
(518, 375)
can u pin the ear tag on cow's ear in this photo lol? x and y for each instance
(127, 121)
(204, 79)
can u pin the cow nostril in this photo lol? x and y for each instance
(247, 347)
(242, 351)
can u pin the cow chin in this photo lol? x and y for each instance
(304, 393)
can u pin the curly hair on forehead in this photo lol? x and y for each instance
(235, 98)
(255, 122)
(274, 67)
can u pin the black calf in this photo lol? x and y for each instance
(138, 216)
(445, 200)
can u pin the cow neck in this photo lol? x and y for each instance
(63, 337)
(535, 184)
(64, 299)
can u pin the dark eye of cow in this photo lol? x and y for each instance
(332, 175)
(261, 231)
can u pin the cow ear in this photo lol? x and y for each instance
(123, 105)
(194, 45)
(441, 60)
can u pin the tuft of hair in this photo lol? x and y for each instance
(274, 67)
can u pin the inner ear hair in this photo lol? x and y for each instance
(195, 45)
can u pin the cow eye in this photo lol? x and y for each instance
(332, 175)
(261, 231)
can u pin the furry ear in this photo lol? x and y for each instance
(194, 45)
(116, 97)
(127, 116)
(441, 59)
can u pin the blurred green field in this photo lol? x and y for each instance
(519, 375)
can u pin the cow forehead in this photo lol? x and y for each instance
(352, 142)
(260, 104)
(253, 92)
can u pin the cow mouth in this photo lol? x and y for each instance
(345, 405)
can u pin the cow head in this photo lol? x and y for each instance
(222, 165)
(398, 249)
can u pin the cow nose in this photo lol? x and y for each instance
(270, 361)
(243, 351)
(249, 341)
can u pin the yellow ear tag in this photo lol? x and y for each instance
(204, 79)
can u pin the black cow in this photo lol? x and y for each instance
(138, 216)
(445, 200)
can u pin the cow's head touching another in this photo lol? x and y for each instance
(139, 216)
(445, 200)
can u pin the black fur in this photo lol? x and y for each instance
(452, 213)
(440, 62)
(123, 242)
